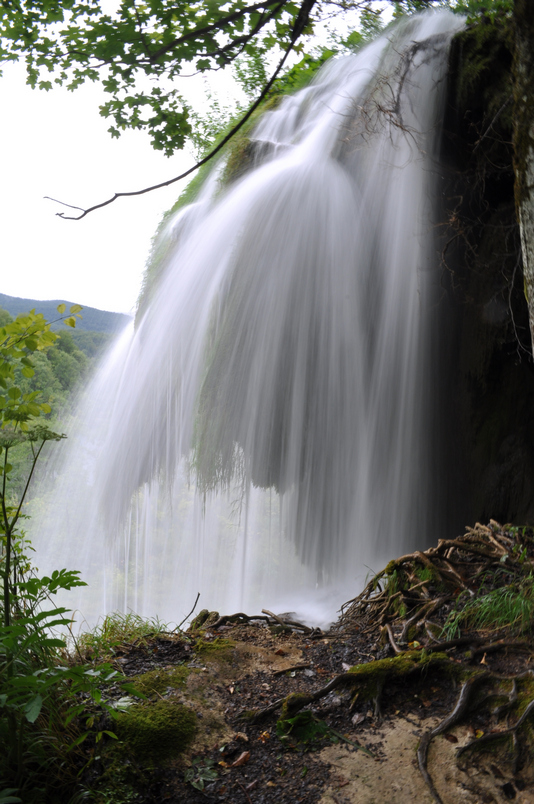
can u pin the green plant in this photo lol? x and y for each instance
(302, 728)
(7, 797)
(113, 631)
(200, 772)
(510, 606)
(45, 700)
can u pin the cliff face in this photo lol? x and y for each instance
(488, 380)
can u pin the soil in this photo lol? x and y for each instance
(238, 756)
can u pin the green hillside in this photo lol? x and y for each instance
(92, 320)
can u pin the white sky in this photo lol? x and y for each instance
(55, 143)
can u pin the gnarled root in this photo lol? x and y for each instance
(451, 720)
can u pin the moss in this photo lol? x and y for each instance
(159, 681)
(249, 715)
(157, 730)
(218, 650)
(524, 697)
(241, 149)
(402, 610)
(484, 73)
(523, 70)
(426, 574)
(120, 782)
(278, 630)
(371, 676)
(199, 620)
(435, 630)
(293, 703)
(412, 633)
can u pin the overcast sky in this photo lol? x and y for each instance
(55, 143)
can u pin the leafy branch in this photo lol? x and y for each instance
(202, 161)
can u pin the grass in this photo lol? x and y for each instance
(115, 631)
(509, 606)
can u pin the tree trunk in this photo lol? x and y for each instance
(524, 142)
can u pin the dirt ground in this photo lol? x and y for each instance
(254, 766)
(351, 745)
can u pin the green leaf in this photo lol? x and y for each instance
(6, 796)
(76, 308)
(78, 741)
(70, 322)
(61, 308)
(33, 708)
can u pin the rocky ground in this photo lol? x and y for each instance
(386, 707)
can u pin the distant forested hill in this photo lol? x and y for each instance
(92, 320)
(64, 368)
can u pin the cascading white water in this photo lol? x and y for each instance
(263, 436)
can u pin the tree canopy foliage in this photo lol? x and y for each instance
(138, 51)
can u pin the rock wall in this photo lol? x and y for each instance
(488, 378)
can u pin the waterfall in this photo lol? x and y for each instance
(264, 435)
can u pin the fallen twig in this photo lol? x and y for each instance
(291, 669)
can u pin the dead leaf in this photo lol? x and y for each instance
(483, 660)
(264, 736)
(240, 735)
(271, 784)
(241, 760)
(451, 738)
(280, 652)
(231, 690)
(252, 786)
(479, 733)
(341, 782)
(358, 718)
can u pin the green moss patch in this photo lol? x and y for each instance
(157, 731)
(373, 675)
(158, 682)
(219, 650)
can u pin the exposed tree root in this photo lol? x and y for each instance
(368, 679)
(423, 584)
(240, 618)
(451, 720)
(414, 610)
(494, 736)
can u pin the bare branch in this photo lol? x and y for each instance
(300, 24)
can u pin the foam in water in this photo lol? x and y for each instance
(263, 435)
